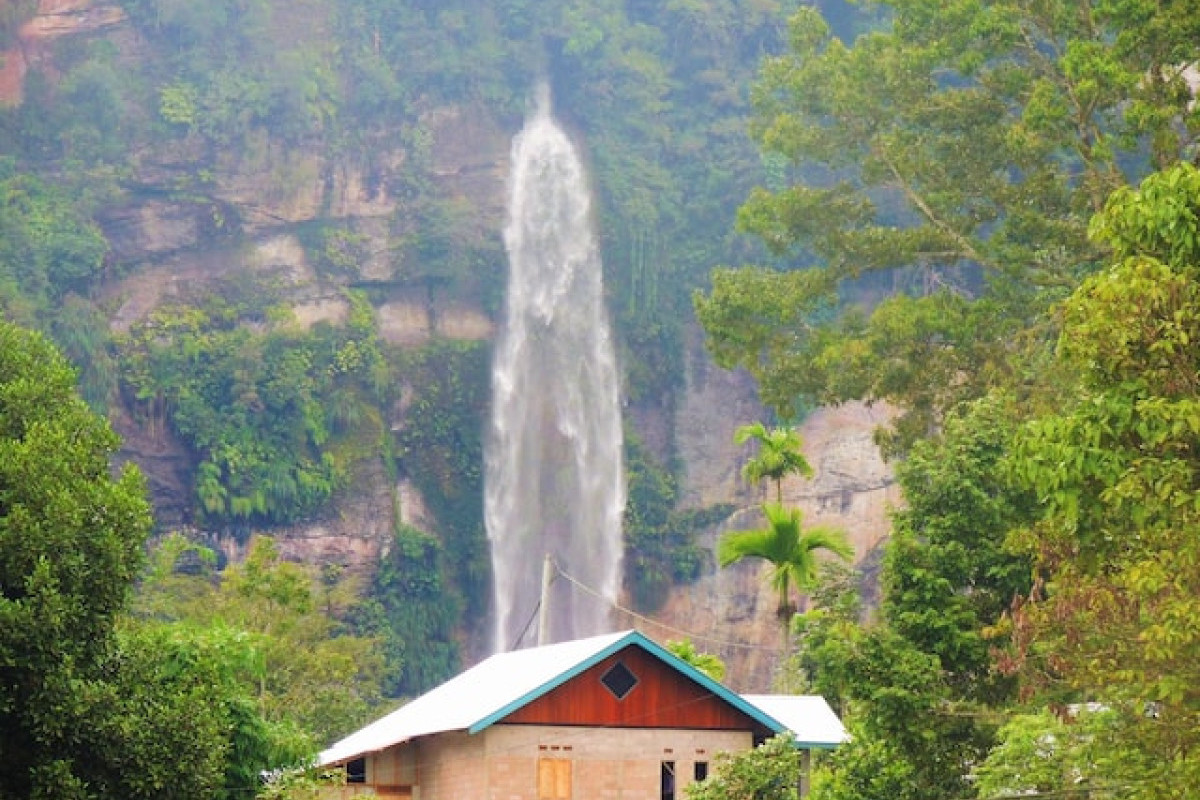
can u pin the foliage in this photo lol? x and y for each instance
(291, 662)
(277, 419)
(47, 246)
(907, 741)
(709, 664)
(414, 614)
(778, 455)
(660, 546)
(70, 535)
(771, 771)
(1112, 617)
(961, 146)
(948, 577)
(300, 783)
(788, 547)
(1085, 749)
(74, 695)
(440, 449)
(216, 729)
(916, 684)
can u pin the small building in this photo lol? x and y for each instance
(613, 716)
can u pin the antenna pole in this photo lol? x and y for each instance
(544, 607)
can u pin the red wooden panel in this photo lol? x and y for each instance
(662, 698)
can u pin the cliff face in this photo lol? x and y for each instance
(53, 20)
(731, 612)
(191, 218)
(246, 216)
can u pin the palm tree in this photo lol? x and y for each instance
(791, 550)
(778, 455)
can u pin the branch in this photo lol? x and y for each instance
(966, 248)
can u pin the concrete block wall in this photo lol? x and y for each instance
(606, 763)
(501, 763)
(451, 766)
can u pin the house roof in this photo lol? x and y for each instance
(498, 686)
(808, 717)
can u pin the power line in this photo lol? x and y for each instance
(663, 625)
(521, 636)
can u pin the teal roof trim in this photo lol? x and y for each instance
(654, 649)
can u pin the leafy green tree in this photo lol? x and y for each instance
(1112, 616)
(301, 676)
(915, 683)
(413, 613)
(84, 712)
(790, 549)
(951, 159)
(948, 578)
(440, 447)
(48, 247)
(778, 455)
(709, 664)
(771, 771)
(660, 540)
(909, 740)
(1082, 752)
(278, 420)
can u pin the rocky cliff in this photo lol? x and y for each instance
(731, 612)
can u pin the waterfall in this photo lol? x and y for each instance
(555, 480)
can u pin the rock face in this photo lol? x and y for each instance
(54, 19)
(731, 612)
(247, 217)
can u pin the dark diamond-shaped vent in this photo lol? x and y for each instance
(619, 680)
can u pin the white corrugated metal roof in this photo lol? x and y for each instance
(808, 717)
(471, 697)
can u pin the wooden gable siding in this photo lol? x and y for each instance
(662, 698)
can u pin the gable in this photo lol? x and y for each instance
(661, 696)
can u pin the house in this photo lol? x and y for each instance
(610, 716)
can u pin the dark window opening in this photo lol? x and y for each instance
(619, 680)
(668, 780)
(356, 771)
(700, 771)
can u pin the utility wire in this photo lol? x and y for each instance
(663, 625)
(521, 636)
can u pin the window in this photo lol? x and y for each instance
(619, 680)
(554, 779)
(356, 771)
(668, 780)
(700, 770)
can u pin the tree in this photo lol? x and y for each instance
(791, 550)
(1082, 752)
(710, 665)
(304, 680)
(950, 159)
(778, 455)
(948, 577)
(771, 771)
(74, 696)
(915, 682)
(1113, 615)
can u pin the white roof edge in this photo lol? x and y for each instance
(808, 717)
